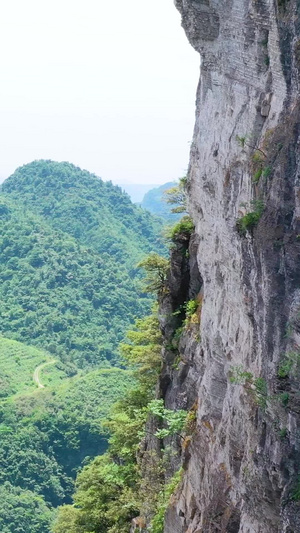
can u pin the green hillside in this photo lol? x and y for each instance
(17, 365)
(60, 295)
(69, 289)
(22, 511)
(95, 212)
(45, 437)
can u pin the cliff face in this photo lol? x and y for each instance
(242, 464)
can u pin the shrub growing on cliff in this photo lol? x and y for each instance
(257, 386)
(173, 420)
(184, 227)
(191, 307)
(177, 196)
(251, 219)
(291, 361)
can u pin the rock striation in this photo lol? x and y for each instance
(241, 368)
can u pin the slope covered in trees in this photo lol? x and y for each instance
(69, 289)
(70, 245)
(45, 437)
(110, 488)
(97, 213)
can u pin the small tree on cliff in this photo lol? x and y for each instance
(177, 196)
(156, 268)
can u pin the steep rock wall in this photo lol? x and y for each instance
(242, 464)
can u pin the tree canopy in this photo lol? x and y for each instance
(70, 244)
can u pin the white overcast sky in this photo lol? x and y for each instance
(107, 85)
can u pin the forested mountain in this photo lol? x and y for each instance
(70, 244)
(69, 289)
(95, 212)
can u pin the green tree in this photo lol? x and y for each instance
(177, 196)
(156, 268)
(22, 511)
(109, 490)
(67, 520)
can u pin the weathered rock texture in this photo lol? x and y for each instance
(242, 465)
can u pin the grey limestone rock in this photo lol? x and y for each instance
(242, 465)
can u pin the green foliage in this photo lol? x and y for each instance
(143, 350)
(261, 392)
(184, 227)
(97, 213)
(108, 490)
(47, 435)
(250, 220)
(266, 172)
(261, 172)
(177, 196)
(284, 399)
(284, 369)
(104, 497)
(241, 140)
(296, 492)
(157, 523)
(257, 175)
(173, 420)
(283, 433)
(257, 386)
(291, 361)
(17, 364)
(173, 346)
(22, 511)
(239, 376)
(64, 304)
(68, 245)
(67, 520)
(191, 307)
(156, 268)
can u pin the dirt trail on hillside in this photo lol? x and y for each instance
(36, 374)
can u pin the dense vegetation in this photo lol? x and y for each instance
(22, 511)
(139, 472)
(70, 245)
(69, 288)
(70, 285)
(57, 294)
(95, 212)
(45, 437)
(109, 489)
(128, 480)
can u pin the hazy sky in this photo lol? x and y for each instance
(107, 85)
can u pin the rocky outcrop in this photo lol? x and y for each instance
(242, 463)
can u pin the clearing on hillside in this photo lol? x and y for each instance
(18, 363)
